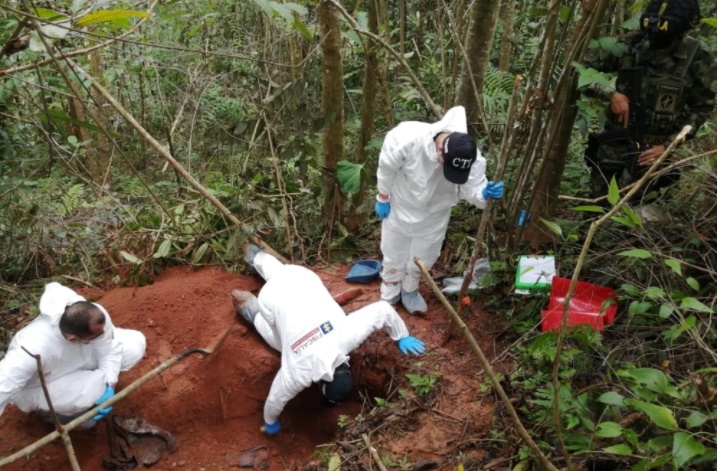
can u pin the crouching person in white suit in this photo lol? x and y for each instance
(299, 318)
(82, 355)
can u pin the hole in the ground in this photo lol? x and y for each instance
(374, 366)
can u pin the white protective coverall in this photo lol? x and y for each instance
(76, 373)
(299, 317)
(421, 199)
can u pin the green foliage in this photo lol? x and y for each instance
(610, 45)
(343, 421)
(498, 86)
(349, 176)
(423, 384)
(289, 12)
(588, 76)
(221, 109)
(109, 16)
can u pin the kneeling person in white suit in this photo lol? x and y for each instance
(300, 319)
(82, 355)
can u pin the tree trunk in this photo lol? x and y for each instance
(548, 181)
(295, 54)
(402, 26)
(619, 16)
(332, 108)
(383, 70)
(78, 114)
(460, 27)
(483, 24)
(508, 10)
(99, 164)
(534, 104)
(355, 220)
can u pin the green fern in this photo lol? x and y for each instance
(131, 186)
(71, 198)
(219, 108)
(498, 86)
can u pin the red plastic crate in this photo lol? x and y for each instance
(585, 306)
(551, 319)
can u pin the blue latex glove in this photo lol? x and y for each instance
(493, 190)
(109, 392)
(411, 345)
(272, 429)
(382, 209)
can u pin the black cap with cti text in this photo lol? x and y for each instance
(459, 156)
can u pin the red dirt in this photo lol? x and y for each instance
(214, 405)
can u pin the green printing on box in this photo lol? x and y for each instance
(535, 272)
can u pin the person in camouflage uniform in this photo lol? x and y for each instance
(677, 76)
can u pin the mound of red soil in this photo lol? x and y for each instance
(214, 405)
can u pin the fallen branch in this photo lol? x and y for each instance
(348, 296)
(116, 398)
(58, 426)
(545, 463)
(373, 452)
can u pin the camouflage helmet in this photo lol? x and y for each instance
(670, 17)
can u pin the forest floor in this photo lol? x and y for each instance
(213, 405)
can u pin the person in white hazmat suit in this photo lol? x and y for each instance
(424, 170)
(299, 318)
(82, 354)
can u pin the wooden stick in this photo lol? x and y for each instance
(116, 398)
(487, 213)
(373, 452)
(58, 426)
(348, 296)
(488, 369)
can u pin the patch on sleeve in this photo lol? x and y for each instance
(305, 341)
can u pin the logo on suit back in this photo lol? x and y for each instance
(299, 345)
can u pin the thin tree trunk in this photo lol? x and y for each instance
(77, 113)
(402, 26)
(619, 16)
(332, 108)
(536, 104)
(100, 166)
(460, 27)
(295, 54)
(508, 10)
(47, 127)
(548, 182)
(354, 220)
(143, 104)
(483, 24)
(383, 69)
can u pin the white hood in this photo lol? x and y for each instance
(453, 121)
(55, 299)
